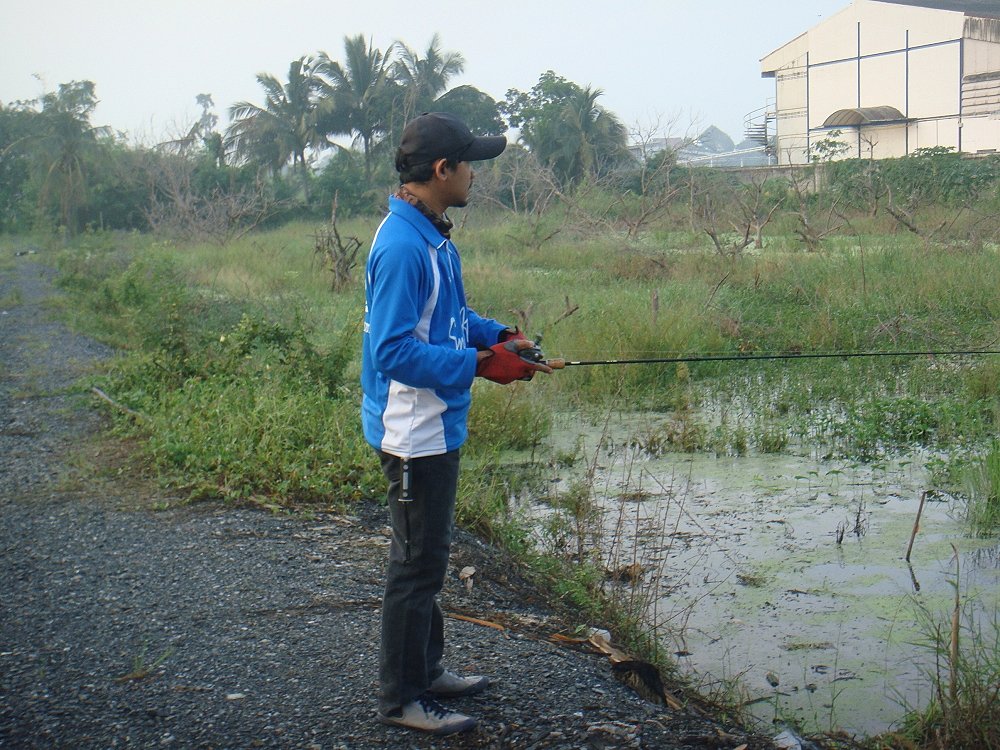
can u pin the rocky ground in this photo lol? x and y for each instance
(128, 620)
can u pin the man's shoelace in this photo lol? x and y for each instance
(431, 706)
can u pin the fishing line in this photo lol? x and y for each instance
(560, 363)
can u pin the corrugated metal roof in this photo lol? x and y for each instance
(845, 118)
(969, 7)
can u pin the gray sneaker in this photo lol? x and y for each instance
(427, 715)
(450, 685)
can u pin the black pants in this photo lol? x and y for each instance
(421, 501)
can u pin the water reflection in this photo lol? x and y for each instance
(987, 558)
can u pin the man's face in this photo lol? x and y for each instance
(458, 184)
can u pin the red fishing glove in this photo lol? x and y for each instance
(505, 365)
(509, 334)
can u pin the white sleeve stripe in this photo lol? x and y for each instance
(422, 331)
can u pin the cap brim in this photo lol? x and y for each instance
(485, 147)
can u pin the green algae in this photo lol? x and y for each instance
(787, 566)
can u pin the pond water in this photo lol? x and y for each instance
(786, 569)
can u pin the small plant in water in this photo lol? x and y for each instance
(984, 496)
(752, 580)
(772, 440)
(739, 441)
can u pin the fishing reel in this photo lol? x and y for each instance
(535, 355)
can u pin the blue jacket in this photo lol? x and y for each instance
(420, 339)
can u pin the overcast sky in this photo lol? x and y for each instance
(678, 64)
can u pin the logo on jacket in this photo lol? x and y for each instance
(464, 326)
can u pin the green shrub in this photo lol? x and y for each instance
(928, 176)
(259, 414)
(343, 180)
(246, 408)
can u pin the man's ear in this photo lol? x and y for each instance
(441, 169)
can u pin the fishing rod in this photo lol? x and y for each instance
(534, 354)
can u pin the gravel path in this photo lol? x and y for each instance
(210, 626)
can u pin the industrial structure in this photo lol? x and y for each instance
(884, 78)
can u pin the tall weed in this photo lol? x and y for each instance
(984, 492)
(507, 418)
(962, 715)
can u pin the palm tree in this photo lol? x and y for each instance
(424, 78)
(575, 136)
(286, 127)
(62, 145)
(361, 93)
(594, 136)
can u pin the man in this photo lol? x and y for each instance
(423, 347)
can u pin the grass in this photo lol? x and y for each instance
(141, 669)
(243, 366)
(770, 303)
(965, 678)
(236, 400)
(589, 297)
(983, 478)
(13, 298)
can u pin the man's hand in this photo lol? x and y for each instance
(502, 363)
(509, 333)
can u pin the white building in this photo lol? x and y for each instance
(892, 76)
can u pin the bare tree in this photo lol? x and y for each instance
(220, 215)
(518, 183)
(707, 204)
(732, 213)
(905, 212)
(655, 189)
(757, 207)
(982, 227)
(871, 183)
(810, 229)
(338, 255)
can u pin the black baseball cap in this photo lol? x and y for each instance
(439, 135)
